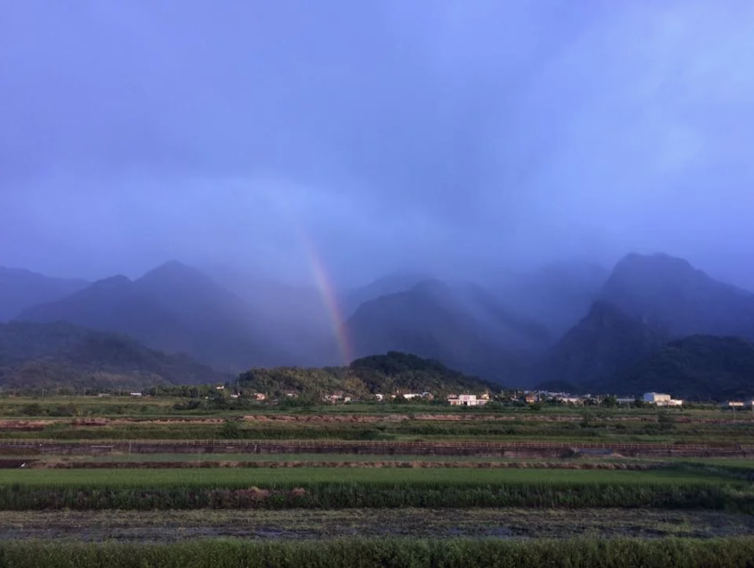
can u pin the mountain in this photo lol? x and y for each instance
(699, 367)
(34, 355)
(670, 294)
(461, 325)
(558, 295)
(602, 344)
(22, 289)
(647, 301)
(296, 317)
(173, 308)
(385, 374)
(350, 300)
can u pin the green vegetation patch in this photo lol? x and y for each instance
(386, 553)
(370, 488)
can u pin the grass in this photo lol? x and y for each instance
(377, 488)
(387, 553)
(309, 476)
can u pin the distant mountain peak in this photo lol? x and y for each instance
(656, 260)
(173, 269)
(669, 292)
(112, 282)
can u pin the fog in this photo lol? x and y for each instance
(460, 138)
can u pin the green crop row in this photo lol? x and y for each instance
(308, 476)
(386, 553)
(367, 488)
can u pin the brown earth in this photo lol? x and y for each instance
(337, 464)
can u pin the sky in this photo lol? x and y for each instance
(461, 136)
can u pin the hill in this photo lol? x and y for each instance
(173, 308)
(670, 294)
(22, 289)
(698, 367)
(34, 355)
(602, 344)
(383, 374)
(461, 325)
(558, 295)
(350, 300)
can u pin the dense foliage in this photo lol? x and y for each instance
(387, 553)
(385, 374)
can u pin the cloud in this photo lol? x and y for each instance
(433, 133)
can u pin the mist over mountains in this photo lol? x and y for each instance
(571, 324)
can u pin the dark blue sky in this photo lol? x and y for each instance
(460, 136)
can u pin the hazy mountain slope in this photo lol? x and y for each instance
(296, 318)
(458, 325)
(61, 354)
(696, 367)
(670, 294)
(558, 295)
(173, 308)
(350, 300)
(22, 289)
(603, 343)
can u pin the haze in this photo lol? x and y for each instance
(467, 138)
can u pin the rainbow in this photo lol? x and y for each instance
(329, 298)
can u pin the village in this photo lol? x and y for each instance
(504, 397)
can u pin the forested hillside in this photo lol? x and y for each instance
(386, 374)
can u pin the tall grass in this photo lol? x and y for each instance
(386, 553)
(334, 496)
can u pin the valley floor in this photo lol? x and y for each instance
(414, 487)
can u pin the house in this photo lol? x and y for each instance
(659, 399)
(220, 387)
(466, 400)
(379, 397)
(259, 396)
(733, 404)
(336, 397)
(568, 400)
(136, 394)
(530, 398)
(411, 396)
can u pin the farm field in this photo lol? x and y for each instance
(387, 553)
(266, 525)
(397, 484)
(90, 419)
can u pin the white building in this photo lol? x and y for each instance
(659, 399)
(466, 400)
(411, 395)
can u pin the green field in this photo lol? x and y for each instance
(307, 515)
(310, 476)
(369, 487)
(387, 553)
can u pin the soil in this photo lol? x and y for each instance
(170, 526)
